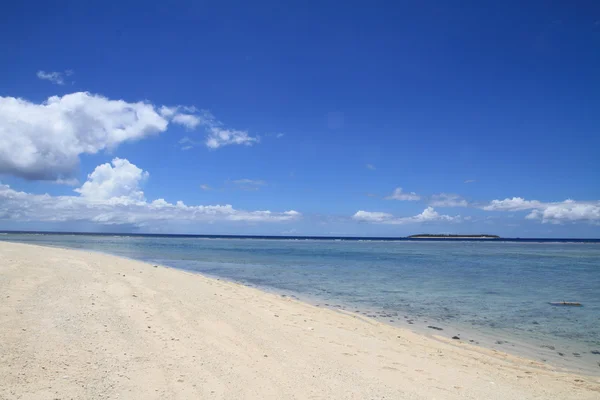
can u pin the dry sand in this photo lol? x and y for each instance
(80, 325)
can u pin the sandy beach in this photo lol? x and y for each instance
(81, 325)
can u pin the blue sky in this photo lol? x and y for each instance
(318, 111)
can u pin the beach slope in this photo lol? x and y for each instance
(82, 325)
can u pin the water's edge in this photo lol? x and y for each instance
(494, 339)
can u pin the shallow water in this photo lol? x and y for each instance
(493, 293)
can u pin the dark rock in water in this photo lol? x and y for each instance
(595, 352)
(471, 340)
(455, 338)
(435, 327)
(577, 354)
(535, 323)
(560, 354)
(547, 346)
(501, 341)
(391, 320)
(156, 266)
(410, 322)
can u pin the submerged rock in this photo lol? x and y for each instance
(435, 327)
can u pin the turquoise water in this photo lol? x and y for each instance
(495, 294)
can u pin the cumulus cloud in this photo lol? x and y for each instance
(112, 195)
(447, 200)
(428, 215)
(44, 141)
(551, 212)
(121, 179)
(54, 77)
(400, 195)
(567, 211)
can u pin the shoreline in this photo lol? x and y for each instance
(455, 237)
(562, 357)
(66, 309)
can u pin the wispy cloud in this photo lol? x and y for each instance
(187, 120)
(54, 77)
(371, 167)
(205, 187)
(447, 200)
(470, 181)
(428, 215)
(400, 195)
(249, 184)
(219, 136)
(185, 143)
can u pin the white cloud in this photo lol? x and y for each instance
(371, 167)
(112, 195)
(249, 184)
(255, 182)
(400, 195)
(68, 182)
(368, 216)
(121, 179)
(428, 215)
(470, 181)
(567, 211)
(218, 136)
(44, 141)
(54, 77)
(187, 143)
(167, 112)
(514, 204)
(555, 212)
(447, 200)
(205, 187)
(188, 120)
(279, 135)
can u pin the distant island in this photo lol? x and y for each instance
(434, 236)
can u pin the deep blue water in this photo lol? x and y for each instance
(495, 293)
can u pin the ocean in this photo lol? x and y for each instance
(495, 293)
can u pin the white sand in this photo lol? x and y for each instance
(79, 325)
